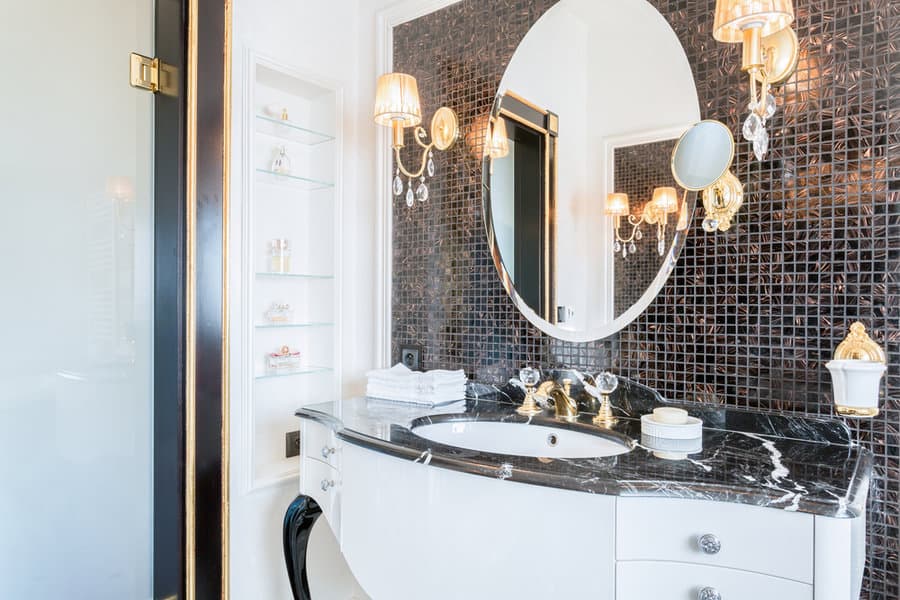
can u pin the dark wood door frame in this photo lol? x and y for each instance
(191, 133)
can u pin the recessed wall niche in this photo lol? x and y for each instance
(748, 317)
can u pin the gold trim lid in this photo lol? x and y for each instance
(859, 346)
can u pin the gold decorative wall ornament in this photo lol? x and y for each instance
(859, 346)
(770, 54)
(397, 106)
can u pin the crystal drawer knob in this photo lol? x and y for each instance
(709, 593)
(326, 451)
(327, 484)
(709, 544)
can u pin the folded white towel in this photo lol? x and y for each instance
(401, 372)
(431, 388)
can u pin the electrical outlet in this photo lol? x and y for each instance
(411, 356)
(292, 444)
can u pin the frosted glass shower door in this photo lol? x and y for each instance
(76, 307)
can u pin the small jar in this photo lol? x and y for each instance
(283, 361)
(279, 313)
(279, 256)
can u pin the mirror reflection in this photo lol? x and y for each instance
(584, 216)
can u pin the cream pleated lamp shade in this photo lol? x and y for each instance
(397, 100)
(734, 16)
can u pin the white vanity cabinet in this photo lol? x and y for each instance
(320, 474)
(411, 530)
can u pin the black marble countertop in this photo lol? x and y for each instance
(783, 462)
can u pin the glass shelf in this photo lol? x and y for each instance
(294, 181)
(297, 373)
(292, 275)
(291, 131)
(293, 325)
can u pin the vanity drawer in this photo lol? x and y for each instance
(765, 540)
(319, 442)
(322, 483)
(645, 580)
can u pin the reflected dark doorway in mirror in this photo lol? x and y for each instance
(523, 205)
(528, 214)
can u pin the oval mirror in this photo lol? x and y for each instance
(583, 214)
(702, 155)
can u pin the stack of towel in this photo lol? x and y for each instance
(431, 388)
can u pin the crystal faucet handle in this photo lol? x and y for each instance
(529, 376)
(607, 382)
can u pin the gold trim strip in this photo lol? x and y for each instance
(190, 408)
(527, 103)
(226, 345)
(519, 119)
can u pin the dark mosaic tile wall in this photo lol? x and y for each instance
(637, 171)
(748, 317)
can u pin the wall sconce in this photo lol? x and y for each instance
(397, 106)
(656, 212)
(770, 54)
(859, 362)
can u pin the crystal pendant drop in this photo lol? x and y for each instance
(752, 126)
(770, 106)
(430, 166)
(638, 235)
(624, 252)
(661, 247)
(710, 225)
(761, 144)
(397, 185)
(421, 191)
(617, 247)
(632, 248)
(410, 200)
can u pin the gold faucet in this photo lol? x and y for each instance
(565, 405)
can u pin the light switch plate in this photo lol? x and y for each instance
(292, 444)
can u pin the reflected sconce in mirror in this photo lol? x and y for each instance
(496, 144)
(656, 212)
(701, 162)
(770, 55)
(397, 106)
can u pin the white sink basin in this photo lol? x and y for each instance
(521, 439)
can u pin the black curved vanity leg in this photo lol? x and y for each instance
(299, 519)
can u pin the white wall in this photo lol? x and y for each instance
(332, 39)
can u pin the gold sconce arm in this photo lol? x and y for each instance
(419, 134)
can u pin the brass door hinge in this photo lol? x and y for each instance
(153, 75)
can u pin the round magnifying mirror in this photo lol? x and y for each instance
(583, 215)
(702, 155)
